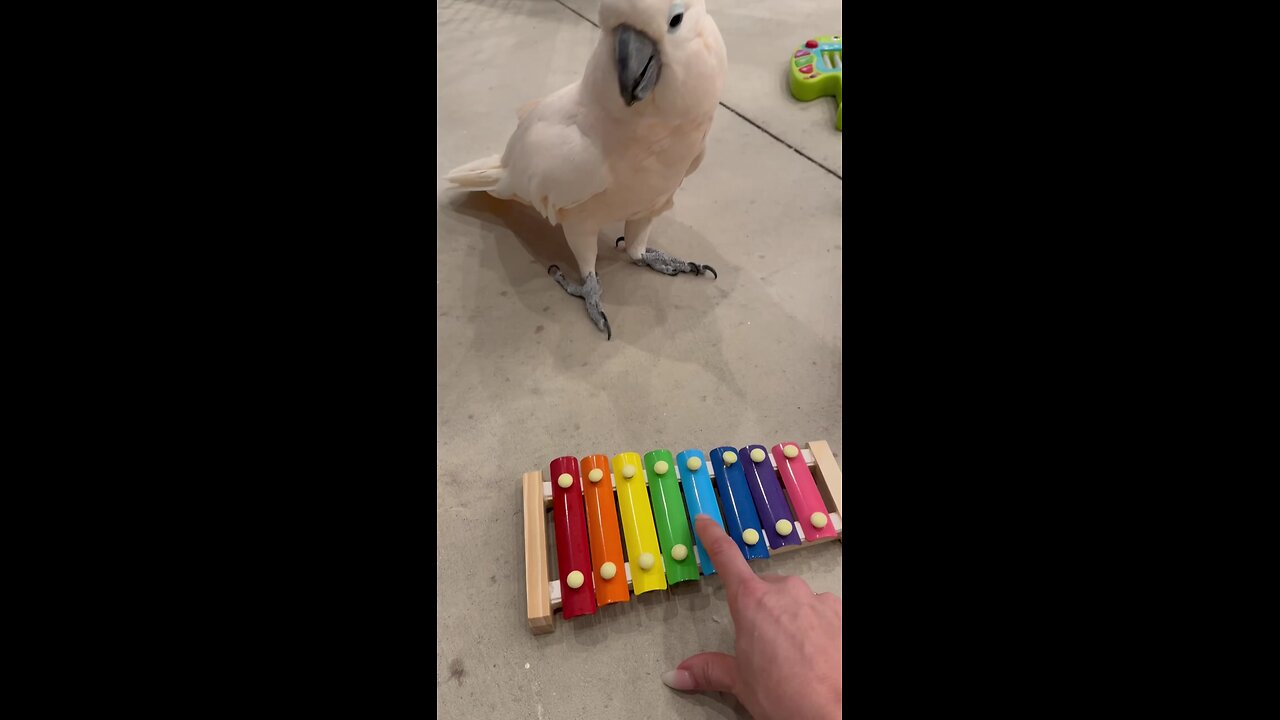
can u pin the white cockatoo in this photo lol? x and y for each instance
(616, 145)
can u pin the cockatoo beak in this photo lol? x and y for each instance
(639, 64)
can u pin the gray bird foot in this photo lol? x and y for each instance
(668, 264)
(589, 291)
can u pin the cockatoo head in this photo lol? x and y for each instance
(654, 39)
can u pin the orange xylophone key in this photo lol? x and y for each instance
(602, 530)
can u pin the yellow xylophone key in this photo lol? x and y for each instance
(643, 552)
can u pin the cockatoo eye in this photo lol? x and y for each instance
(677, 17)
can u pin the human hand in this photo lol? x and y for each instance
(788, 656)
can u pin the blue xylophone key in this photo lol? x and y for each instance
(699, 496)
(739, 509)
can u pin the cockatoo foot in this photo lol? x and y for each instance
(668, 264)
(589, 291)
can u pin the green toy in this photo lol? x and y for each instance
(816, 72)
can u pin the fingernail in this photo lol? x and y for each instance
(679, 680)
(701, 515)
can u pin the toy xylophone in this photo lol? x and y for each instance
(775, 500)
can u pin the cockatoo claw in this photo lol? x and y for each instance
(669, 265)
(589, 291)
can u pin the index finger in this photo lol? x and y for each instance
(724, 553)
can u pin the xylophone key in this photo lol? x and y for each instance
(668, 514)
(700, 497)
(803, 492)
(739, 510)
(577, 590)
(637, 524)
(602, 527)
(775, 516)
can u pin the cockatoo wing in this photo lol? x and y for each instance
(551, 163)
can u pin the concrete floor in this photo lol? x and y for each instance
(523, 376)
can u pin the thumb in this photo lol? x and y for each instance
(704, 672)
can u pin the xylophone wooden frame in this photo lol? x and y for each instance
(543, 594)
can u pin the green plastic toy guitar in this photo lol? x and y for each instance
(816, 72)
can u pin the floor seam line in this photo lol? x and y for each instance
(575, 12)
